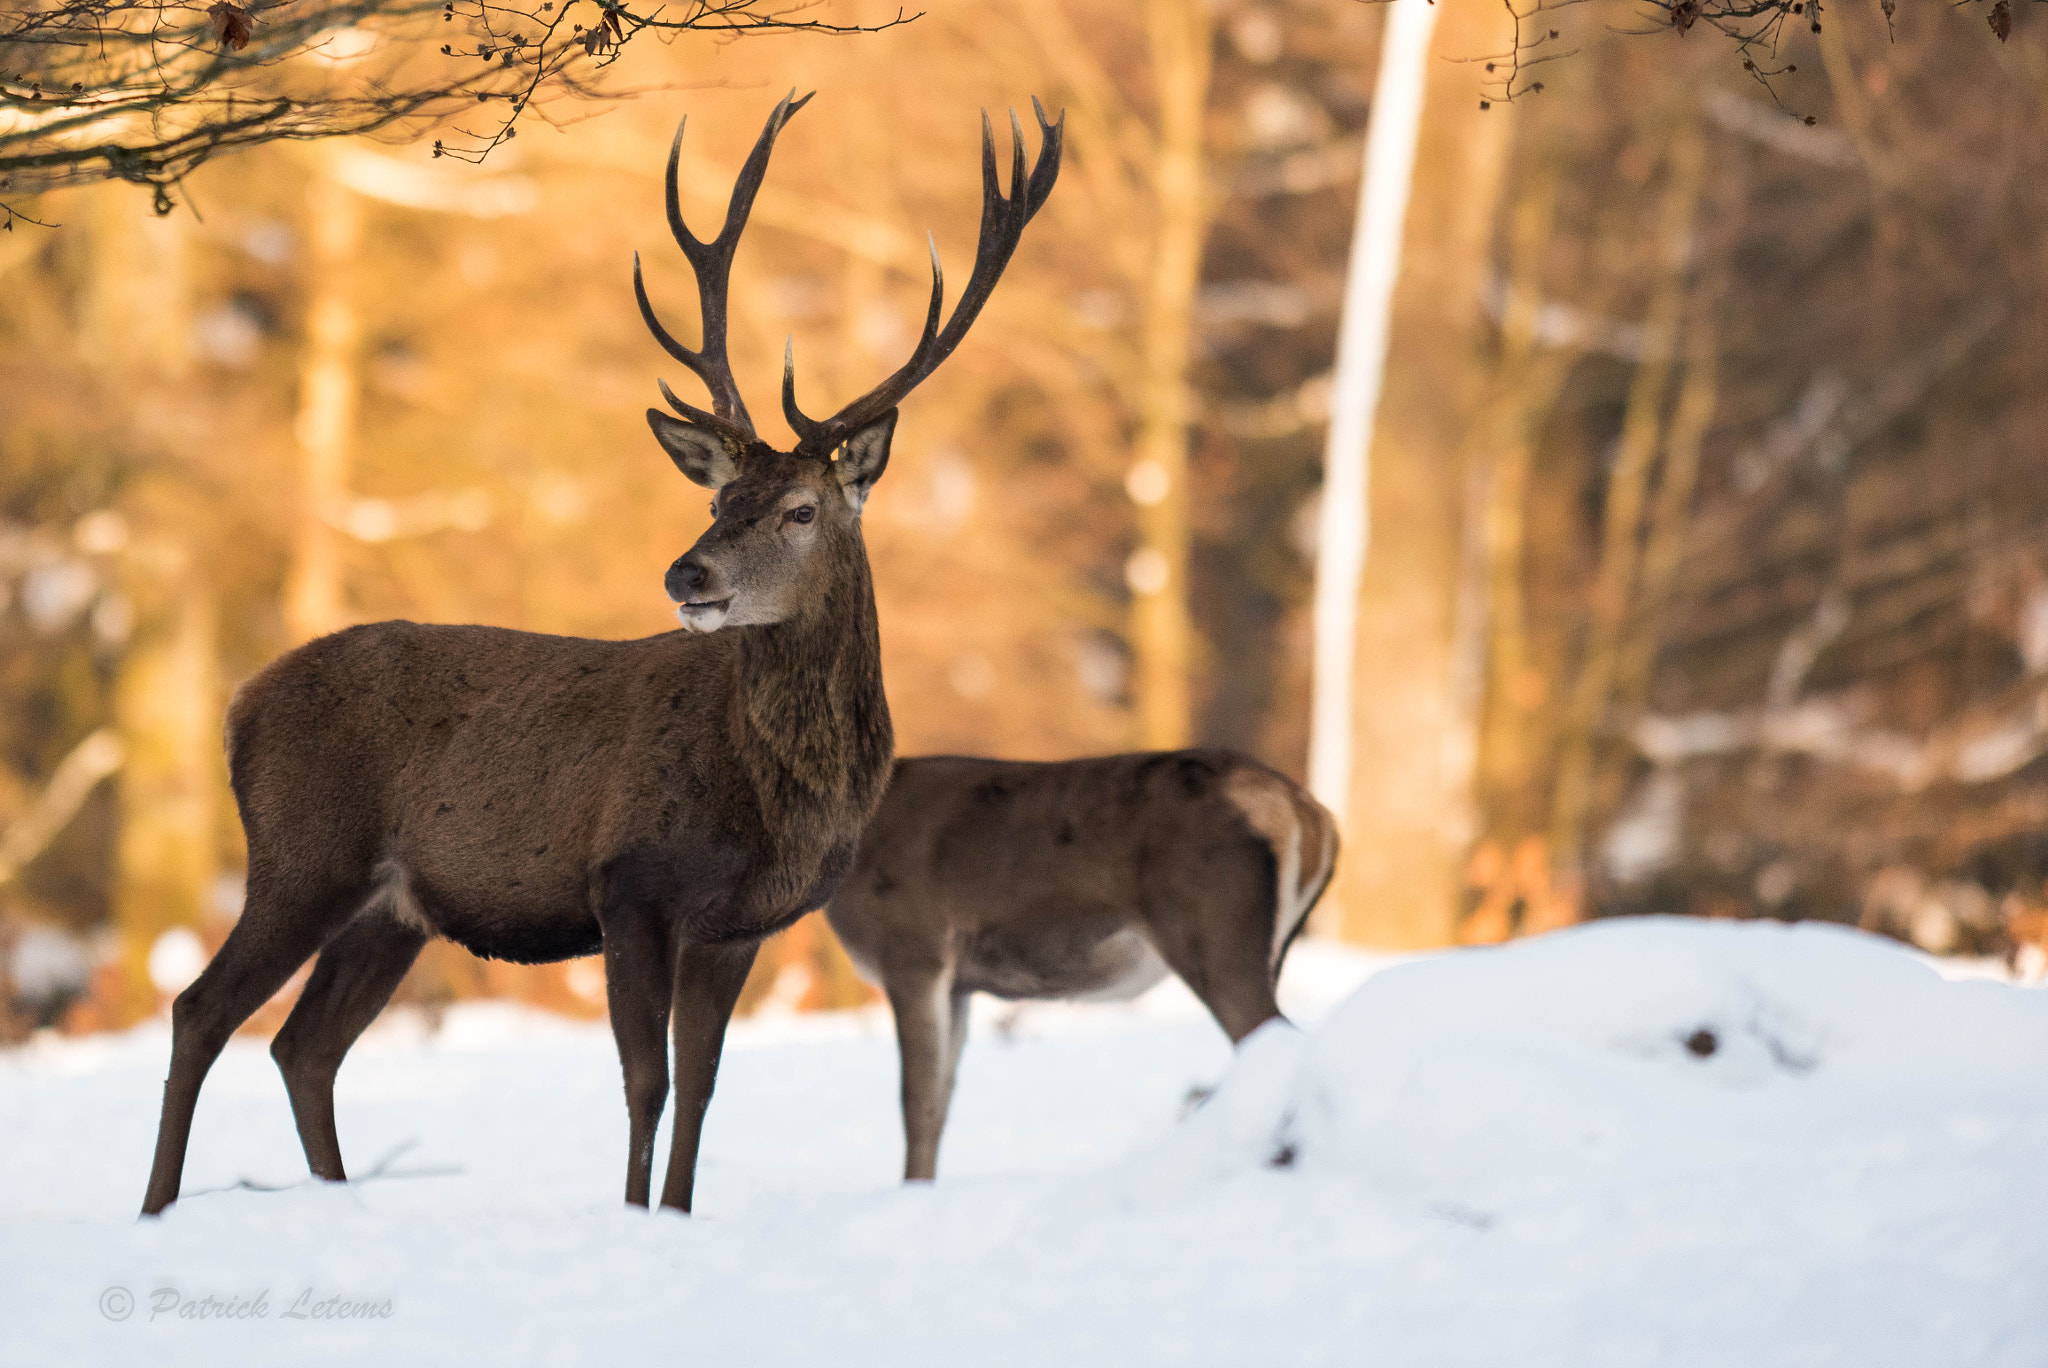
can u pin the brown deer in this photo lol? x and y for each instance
(668, 801)
(1083, 878)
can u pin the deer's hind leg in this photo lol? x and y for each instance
(355, 976)
(279, 931)
(956, 1041)
(1211, 919)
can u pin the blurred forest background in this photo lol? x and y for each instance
(1709, 561)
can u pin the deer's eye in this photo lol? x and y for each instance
(803, 514)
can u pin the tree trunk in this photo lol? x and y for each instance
(1162, 635)
(314, 597)
(1621, 521)
(1408, 808)
(1664, 546)
(1507, 873)
(167, 709)
(1344, 525)
(137, 325)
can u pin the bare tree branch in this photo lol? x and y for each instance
(147, 90)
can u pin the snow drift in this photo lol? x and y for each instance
(1648, 1047)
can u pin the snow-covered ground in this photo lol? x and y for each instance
(1644, 1143)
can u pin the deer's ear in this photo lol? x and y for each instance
(864, 458)
(698, 452)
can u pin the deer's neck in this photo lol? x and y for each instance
(811, 716)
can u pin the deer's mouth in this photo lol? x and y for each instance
(706, 615)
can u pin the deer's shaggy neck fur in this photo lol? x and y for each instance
(811, 722)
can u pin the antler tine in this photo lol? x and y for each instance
(689, 358)
(1020, 188)
(805, 428)
(711, 263)
(1045, 173)
(930, 336)
(693, 413)
(744, 188)
(1002, 227)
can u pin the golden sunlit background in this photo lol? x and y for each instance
(1708, 560)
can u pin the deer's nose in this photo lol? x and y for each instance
(685, 578)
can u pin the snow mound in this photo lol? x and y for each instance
(1623, 1053)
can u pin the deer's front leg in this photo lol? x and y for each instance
(923, 1005)
(637, 987)
(708, 979)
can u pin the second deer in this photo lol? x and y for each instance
(1078, 879)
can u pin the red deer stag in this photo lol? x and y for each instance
(1084, 878)
(669, 801)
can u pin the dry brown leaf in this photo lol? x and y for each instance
(231, 24)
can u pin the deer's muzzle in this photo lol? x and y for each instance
(698, 592)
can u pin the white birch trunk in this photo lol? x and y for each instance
(1344, 530)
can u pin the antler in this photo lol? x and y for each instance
(712, 264)
(1002, 226)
